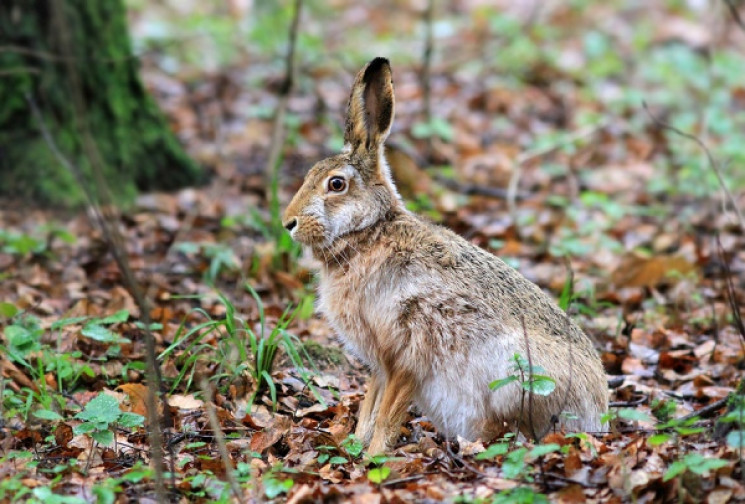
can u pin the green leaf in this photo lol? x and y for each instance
(102, 334)
(274, 487)
(338, 460)
(46, 414)
(378, 475)
(540, 384)
(120, 316)
(353, 446)
(701, 465)
(634, 415)
(130, 420)
(676, 468)
(658, 439)
(736, 439)
(8, 310)
(493, 451)
(498, 384)
(102, 408)
(105, 437)
(59, 324)
(84, 428)
(544, 449)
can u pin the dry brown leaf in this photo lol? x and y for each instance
(638, 271)
(137, 393)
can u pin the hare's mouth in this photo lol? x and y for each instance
(308, 230)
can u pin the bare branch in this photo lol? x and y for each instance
(278, 129)
(531, 425)
(222, 447)
(735, 13)
(426, 74)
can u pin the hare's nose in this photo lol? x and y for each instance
(290, 224)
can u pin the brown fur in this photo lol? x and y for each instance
(434, 317)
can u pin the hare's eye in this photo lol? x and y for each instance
(337, 184)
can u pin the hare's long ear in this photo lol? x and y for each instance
(371, 107)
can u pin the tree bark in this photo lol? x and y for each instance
(72, 59)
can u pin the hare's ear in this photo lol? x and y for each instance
(371, 106)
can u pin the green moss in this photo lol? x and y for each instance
(88, 90)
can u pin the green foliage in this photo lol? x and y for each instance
(274, 486)
(241, 347)
(100, 415)
(694, 462)
(529, 377)
(353, 446)
(328, 456)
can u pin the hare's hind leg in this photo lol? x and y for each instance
(369, 408)
(397, 396)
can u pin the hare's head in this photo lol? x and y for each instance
(353, 190)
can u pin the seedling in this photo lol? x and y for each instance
(99, 417)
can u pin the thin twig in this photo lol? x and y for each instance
(531, 425)
(426, 74)
(222, 447)
(706, 411)
(712, 163)
(461, 461)
(278, 129)
(735, 13)
(111, 236)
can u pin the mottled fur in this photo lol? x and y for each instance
(434, 317)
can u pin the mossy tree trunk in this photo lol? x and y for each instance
(72, 60)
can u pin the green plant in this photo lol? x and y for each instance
(274, 485)
(694, 462)
(241, 347)
(353, 446)
(519, 495)
(327, 455)
(99, 417)
(530, 378)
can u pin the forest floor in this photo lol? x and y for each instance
(550, 99)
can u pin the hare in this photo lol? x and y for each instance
(433, 317)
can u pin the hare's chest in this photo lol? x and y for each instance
(360, 313)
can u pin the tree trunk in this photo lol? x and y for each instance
(72, 60)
